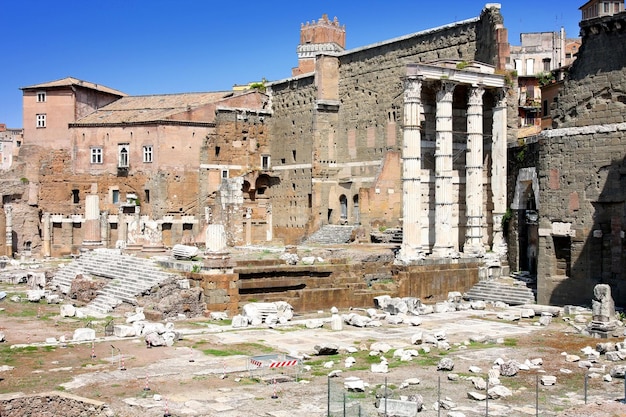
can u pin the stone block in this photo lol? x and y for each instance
(399, 408)
(84, 334)
(67, 310)
(121, 330)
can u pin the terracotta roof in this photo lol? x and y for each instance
(71, 81)
(141, 109)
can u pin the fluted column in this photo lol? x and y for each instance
(215, 238)
(8, 213)
(474, 194)
(45, 234)
(499, 171)
(92, 236)
(444, 243)
(411, 248)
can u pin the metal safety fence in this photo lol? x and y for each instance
(273, 366)
(435, 395)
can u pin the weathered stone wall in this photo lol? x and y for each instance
(345, 283)
(582, 183)
(596, 90)
(51, 404)
(432, 282)
(581, 172)
(220, 292)
(291, 149)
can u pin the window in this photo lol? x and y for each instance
(75, 196)
(41, 97)
(265, 162)
(224, 173)
(147, 195)
(115, 196)
(546, 64)
(616, 7)
(41, 120)
(606, 7)
(530, 66)
(122, 155)
(147, 153)
(96, 155)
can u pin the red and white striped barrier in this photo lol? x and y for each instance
(256, 363)
(283, 364)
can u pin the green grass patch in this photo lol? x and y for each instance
(510, 342)
(224, 352)
(245, 349)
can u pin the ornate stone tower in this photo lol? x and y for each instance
(323, 36)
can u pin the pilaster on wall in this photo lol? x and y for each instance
(325, 122)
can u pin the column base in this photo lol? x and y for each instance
(445, 252)
(92, 243)
(410, 254)
(474, 250)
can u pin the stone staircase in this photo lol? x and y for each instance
(130, 276)
(507, 290)
(330, 234)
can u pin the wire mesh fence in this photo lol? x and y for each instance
(437, 396)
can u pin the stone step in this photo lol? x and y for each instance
(129, 277)
(496, 291)
(331, 234)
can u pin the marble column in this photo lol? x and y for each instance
(411, 248)
(499, 170)
(215, 238)
(92, 236)
(444, 240)
(474, 194)
(8, 213)
(269, 233)
(46, 235)
(248, 220)
(122, 229)
(104, 228)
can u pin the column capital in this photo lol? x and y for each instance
(500, 96)
(446, 90)
(413, 89)
(476, 95)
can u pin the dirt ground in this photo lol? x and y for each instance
(205, 373)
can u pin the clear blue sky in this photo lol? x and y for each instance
(158, 47)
